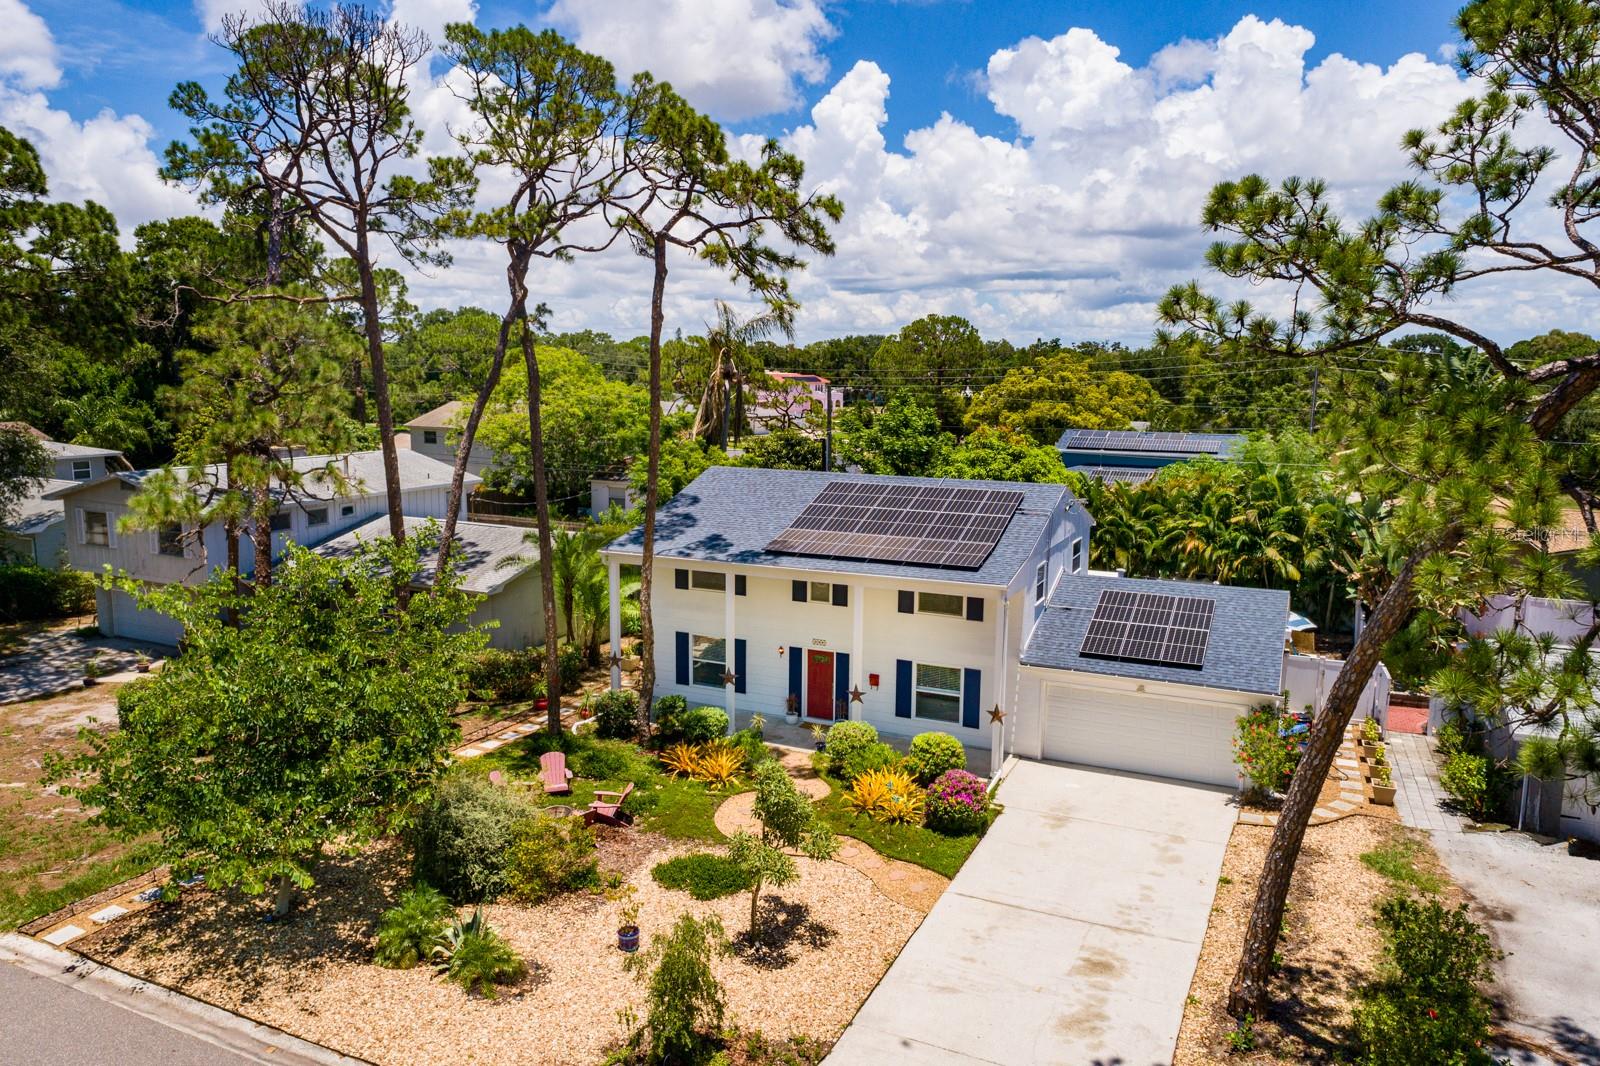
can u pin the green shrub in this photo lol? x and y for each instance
(1265, 756)
(1427, 1006)
(686, 1006)
(932, 754)
(610, 760)
(749, 740)
(702, 875)
(616, 714)
(874, 756)
(410, 931)
(477, 958)
(460, 838)
(505, 675)
(1449, 738)
(549, 856)
(30, 593)
(958, 804)
(845, 738)
(1466, 778)
(667, 711)
(569, 666)
(700, 724)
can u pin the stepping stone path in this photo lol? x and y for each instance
(906, 883)
(1352, 793)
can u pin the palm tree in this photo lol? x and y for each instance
(727, 341)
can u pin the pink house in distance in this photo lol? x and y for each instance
(788, 405)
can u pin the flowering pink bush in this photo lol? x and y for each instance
(958, 803)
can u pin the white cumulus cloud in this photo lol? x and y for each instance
(27, 51)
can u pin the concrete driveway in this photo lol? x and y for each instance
(49, 661)
(1070, 936)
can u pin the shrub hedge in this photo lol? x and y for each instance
(30, 593)
(460, 839)
(549, 856)
(932, 754)
(616, 714)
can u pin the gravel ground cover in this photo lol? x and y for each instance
(833, 936)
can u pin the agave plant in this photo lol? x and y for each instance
(476, 957)
(413, 929)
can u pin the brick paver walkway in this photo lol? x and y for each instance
(1418, 797)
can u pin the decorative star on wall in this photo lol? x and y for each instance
(728, 678)
(615, 660)
(856, 694)
(996, 715)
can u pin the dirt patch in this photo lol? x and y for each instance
(1330, 945)
(830, 939)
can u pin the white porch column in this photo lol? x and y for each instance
(997, 730)
(728, 689)
(858, 596)
(614, 579)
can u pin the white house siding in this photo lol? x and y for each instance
(603, 492)
(519, 611)
(768, 619)
(119, 615)
(444, 450)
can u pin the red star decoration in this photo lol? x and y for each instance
(728, 679)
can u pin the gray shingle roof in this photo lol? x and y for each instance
(363, 469)
(76, 451)
(1245, 653)
(1127, 475)
(35, 513)
(1133, 442)
(729, 514)
(492, 555)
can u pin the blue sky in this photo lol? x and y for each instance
(1038, 168)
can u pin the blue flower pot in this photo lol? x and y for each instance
(628, 939)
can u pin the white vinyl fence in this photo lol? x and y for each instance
(1309, 679)
(1566, 620)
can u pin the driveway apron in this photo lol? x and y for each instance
(1070, 935)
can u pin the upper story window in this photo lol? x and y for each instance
(279, 522)
(820, 591)
(316, 516)
(710, 580)
(944, 603)
(1077, 555)
(430, 436)
(1041, 580)
(82, 470)
(169, 539)
(97, 528)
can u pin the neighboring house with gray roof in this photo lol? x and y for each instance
(838, 595)
(320, 509)
(39, 530)
(496, 562)
(436, 434)
(1132, 456)
(79, 462)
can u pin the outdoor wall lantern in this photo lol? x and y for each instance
(780, 651)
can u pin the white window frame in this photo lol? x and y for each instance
(164, 546)
(713, 580)
(1077, 554)
(82, 470)
(109, 535)
(1041, 582)
(697, 659)
(959, 612)
(430, 436)
(918, 688)
(313, 512)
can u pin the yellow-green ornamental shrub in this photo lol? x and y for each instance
(549, 856)
(890, 796)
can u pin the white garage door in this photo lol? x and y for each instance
(120, 616)
(1191, 740)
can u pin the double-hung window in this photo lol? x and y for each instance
(821, 591)
(97, 528)
(708, 660)
(1077, 554)
(940, 603)
(938, 693)
(82, 470)
(1041, 578)
(169, 539)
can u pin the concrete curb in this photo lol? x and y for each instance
(221, 1028)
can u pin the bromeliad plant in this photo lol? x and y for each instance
(718, 763)
(891, 796)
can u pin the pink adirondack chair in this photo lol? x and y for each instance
(607, 808)
(554, 773)
(496, 778)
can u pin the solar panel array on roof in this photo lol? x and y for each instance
(1120, 440)
(925, 525)
(1148, 627)
(1128, 475)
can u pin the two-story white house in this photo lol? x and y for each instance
(94, 511)
(921, 604)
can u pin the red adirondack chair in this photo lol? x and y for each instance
(608, 811)
(554, 773)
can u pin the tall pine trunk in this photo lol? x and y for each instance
(261, 538)
(1249, 990)
(373, 323)
(647, 629)
(541, 500)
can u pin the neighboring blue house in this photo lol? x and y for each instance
(1134, 455)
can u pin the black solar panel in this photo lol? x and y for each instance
(1127, 475)
(1148, 627)
(1125, 440)
(926, 525)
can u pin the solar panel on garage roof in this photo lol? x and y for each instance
(1127, 475)
(1122, 440)
(1149, 627)
(926, 525)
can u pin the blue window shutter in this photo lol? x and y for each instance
(738, 665)
(797, 665)
(683, 658)
(841, 595)
(902, 687)
(738, 585)
(841, 680)
(971, 687)
(908, 602)
(797, 591)
(974, 608)
(680, 578)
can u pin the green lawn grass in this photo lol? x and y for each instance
(911, 843)
(1397, 860)
(22, 900)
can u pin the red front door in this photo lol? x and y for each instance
(819, 684)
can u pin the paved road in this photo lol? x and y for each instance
(1070, 935)
(45, 1023)
(1542, 905)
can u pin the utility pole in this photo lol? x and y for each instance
(827, 434)
(1316, 378)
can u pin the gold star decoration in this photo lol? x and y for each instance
(856, 693)
(728, 678)
(997, 715)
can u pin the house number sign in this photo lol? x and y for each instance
(818, 642)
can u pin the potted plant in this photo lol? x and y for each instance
(819, 736)
(141, 663)
(1371, 735)
(92, 671)
(791, 708)
(628, 922)
(1382, 787)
